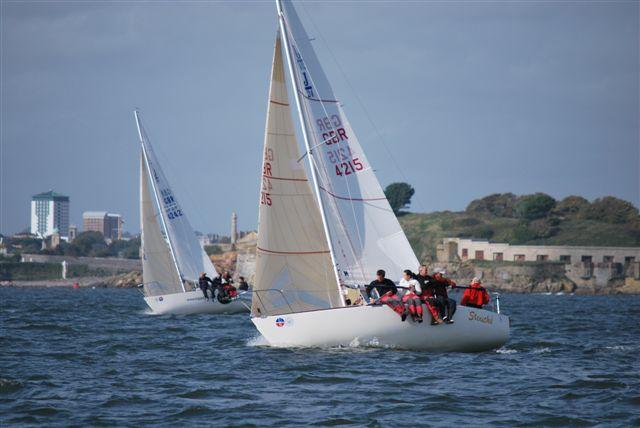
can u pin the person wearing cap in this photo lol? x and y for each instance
(427, 294)
(447, 305)
(475, 296)
(203, 283)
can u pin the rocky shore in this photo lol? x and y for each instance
(126, 280)
(543, 277)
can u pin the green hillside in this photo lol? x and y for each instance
(529, 219)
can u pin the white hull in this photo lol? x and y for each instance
(193, 302)
(474, 330)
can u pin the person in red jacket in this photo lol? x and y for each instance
(475, 296)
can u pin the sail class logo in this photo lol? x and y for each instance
(279, 322)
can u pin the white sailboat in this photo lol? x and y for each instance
(172, 258)
(313, 243)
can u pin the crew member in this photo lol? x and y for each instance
(447, 305)
(475, 296)
(410, 299)
(226, 278)
(427, 294)
(226, 291)
(203, 283)
(387, 292)
(242, 284)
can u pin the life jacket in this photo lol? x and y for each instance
(476, 295)
(226, 293)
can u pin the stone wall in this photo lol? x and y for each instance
(546, 277)
(455, 249)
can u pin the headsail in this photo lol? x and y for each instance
(292, 247)
(189, 255)
(364, 231)
(159, 272)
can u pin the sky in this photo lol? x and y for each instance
(460, 99)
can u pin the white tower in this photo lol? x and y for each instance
(234, 228)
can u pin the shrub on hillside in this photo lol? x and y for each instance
(612, 210)
(498, 204)
(571, 207)
(531, 207)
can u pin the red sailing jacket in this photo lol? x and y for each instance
(476, 295)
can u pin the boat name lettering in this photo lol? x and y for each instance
(475, 317)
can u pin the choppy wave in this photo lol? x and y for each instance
(97, 358)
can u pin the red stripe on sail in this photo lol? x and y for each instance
(292, 252)
(279, 103)
(285, 178)
(352, 199)
(316, 99)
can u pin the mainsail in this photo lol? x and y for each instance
(364, 232)
(189, 256)
(159, 272)
(294, 272)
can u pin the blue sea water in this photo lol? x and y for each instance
(97, 358)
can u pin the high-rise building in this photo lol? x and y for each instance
(49, 212)
(110, 225)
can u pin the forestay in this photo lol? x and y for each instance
(159, 272)
(189, 255)
(293, 266)
(364, 231)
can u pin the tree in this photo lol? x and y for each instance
(571, 207)
(498, 204)
(531, 207)
(399, 195)
(612, 210)
(87, 244)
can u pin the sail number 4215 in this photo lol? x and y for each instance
(349, 167)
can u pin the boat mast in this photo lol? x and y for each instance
(155, 194)
(285, 35)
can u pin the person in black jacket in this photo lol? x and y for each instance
(242, 284)
(427, 294)
(447, 305)
(203, 283)
(388, 294)
(382, 285)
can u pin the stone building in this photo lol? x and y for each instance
(458, 249)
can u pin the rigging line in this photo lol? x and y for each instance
(362, 106)
(323, 177)
(315, 138)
